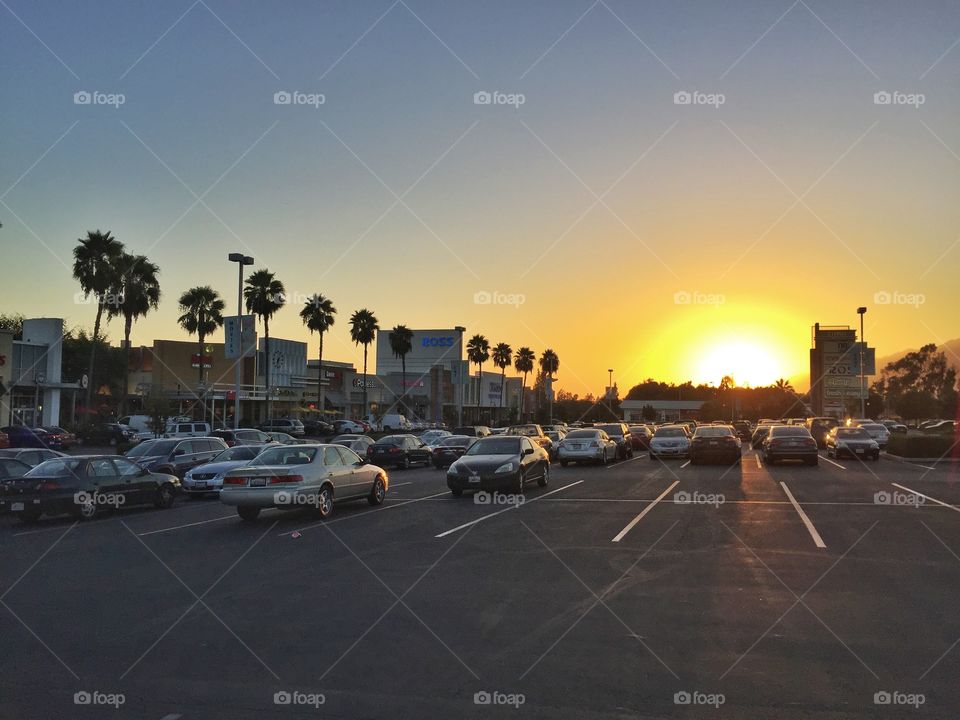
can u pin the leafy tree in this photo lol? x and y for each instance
(917, 405)
(201, 311)
(318, 314)
(478, 352)
(12, 322)
(263, 296)
(523, 363)
(549, 364)
(502, 358)
(363, 331)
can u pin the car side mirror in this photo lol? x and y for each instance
(143, 472)
(179, 451)
(528, 451)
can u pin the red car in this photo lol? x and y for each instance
(640, 437)
(4, 440)
(66, 438)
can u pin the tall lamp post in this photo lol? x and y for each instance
(861, 311)
(610, 389)
(240, 259)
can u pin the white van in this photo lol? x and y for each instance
(393, 421)
(189, 428)
(140, 424)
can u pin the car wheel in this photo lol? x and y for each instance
(542, 482)
(325, 502)
(378, 493)
(248, 513)
(164, 497)
(518, 487)
(87, 511)
(406, 462)
(29, 516)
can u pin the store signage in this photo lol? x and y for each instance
(438, 342)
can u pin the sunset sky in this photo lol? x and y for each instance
(675, 241)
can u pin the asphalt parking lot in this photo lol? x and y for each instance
(643, 589)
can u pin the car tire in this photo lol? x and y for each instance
(378, 493)
(518, 487)
(543, 481)
(164, 496)
(325, 502)
(248, 513)
(406, 462)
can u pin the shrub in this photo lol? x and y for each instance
(917, 445)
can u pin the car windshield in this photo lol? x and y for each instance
(286, 455)
(712, 432)
(152, 448)
(789, 431)
(495, 446)
(240, 452)
(670, 432)
(583, 434)
(611, 429)
(853, 434)
(528, 430)
(873, 426)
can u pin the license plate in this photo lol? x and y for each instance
(714, 442)
(258, 482)
(860, 450)
(576, 446)
(474, 478)
(16, 506)
(200, 485)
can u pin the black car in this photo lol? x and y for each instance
(30, 456)
(108, 434)
(620, 433)
(759, 435)
(820, 427)
(499, 463)
(714, 442)
(84, 486)
(743, 429)
(790, 442)
(10, 468)
(174, 456)
(317, 428)
(242, 436)
(399, 451)
(450, 449)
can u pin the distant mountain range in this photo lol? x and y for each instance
(951, 348)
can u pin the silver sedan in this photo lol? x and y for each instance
(303, 476)
(587, 446)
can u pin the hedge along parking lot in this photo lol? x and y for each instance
(696, 602)
(916, 444)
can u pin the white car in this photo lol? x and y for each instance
(880, 433)
(669, 441)
(303, 476)
(587, 445)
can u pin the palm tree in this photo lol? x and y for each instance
(401, 343)
(137, 291)
(263, 296)
(784, 386)
(363, 331)
(94, 267)
(502, 358)
(317, 314)
(478, 351)
(523, 362)
(202, 313)
(549, 364)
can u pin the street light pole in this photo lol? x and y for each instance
(861, 311)
(610, 389)
(240, 259)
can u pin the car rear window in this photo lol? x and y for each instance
(670, 432)
(612, 429)
(712, 432)
(286, 455)
(589, 434)
(853, 433)
(789, 431)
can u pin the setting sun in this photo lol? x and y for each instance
(748, 363)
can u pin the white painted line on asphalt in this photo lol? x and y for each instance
(817, 540)
(622, 462)
(685, 464)
(171, 717)
(842, 467)
(368, 512)
(757, 458)
(396, 485)
(916, 492)
(512, 507)
(647, 509)
(180, 527)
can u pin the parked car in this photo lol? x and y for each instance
(472, 430)
(108, 434)
(894, 426)
(394, 421)
(855, 442)
(399, 451)
(532, 431)
(348, 426)
(143, 425)
(759, 435)
(290, 426)
(715, 442)
(176, 456)
(591, 445)
(432, 438)
(186, 429)
(31, 456)
(283, 438)
(242, 436)
(790, 442)
(504, 463)
(640, 437)
(669, 441)
(85, 486)
(946, 427)
(299, 476)
(450, 449)
(208, 477)
(820, 427)
(556, 437)
(19, 436)
(360, 444)
(63, 438)
(620, 433)
(878, 432)
(744, 429)
(317, 428)
(12, 468)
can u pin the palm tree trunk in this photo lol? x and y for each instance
(403, 381)
(523, 396)
(503, 377)
(364, 410)
(93, 352)
(203, 402)
(267, 363)
(320, 378)
(127, 324)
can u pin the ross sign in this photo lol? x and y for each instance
(239, 343)
(434, 341)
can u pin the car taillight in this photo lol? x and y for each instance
(595, 444)
(234, 480)
(394, 450)
(280, 479)
(48, 485)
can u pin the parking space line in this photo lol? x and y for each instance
(512, 507)
(685, 464)
(180, 527)
(367, 512)
(824, 457)
(647, 509)
(817, 540)
(757, 458)
(932, 499)
(622, 462)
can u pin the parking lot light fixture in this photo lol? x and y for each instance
(240, 259)
(861, 311)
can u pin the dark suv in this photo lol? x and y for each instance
(242, 436)
(399, 451)
(175, 456)
(620, 433)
